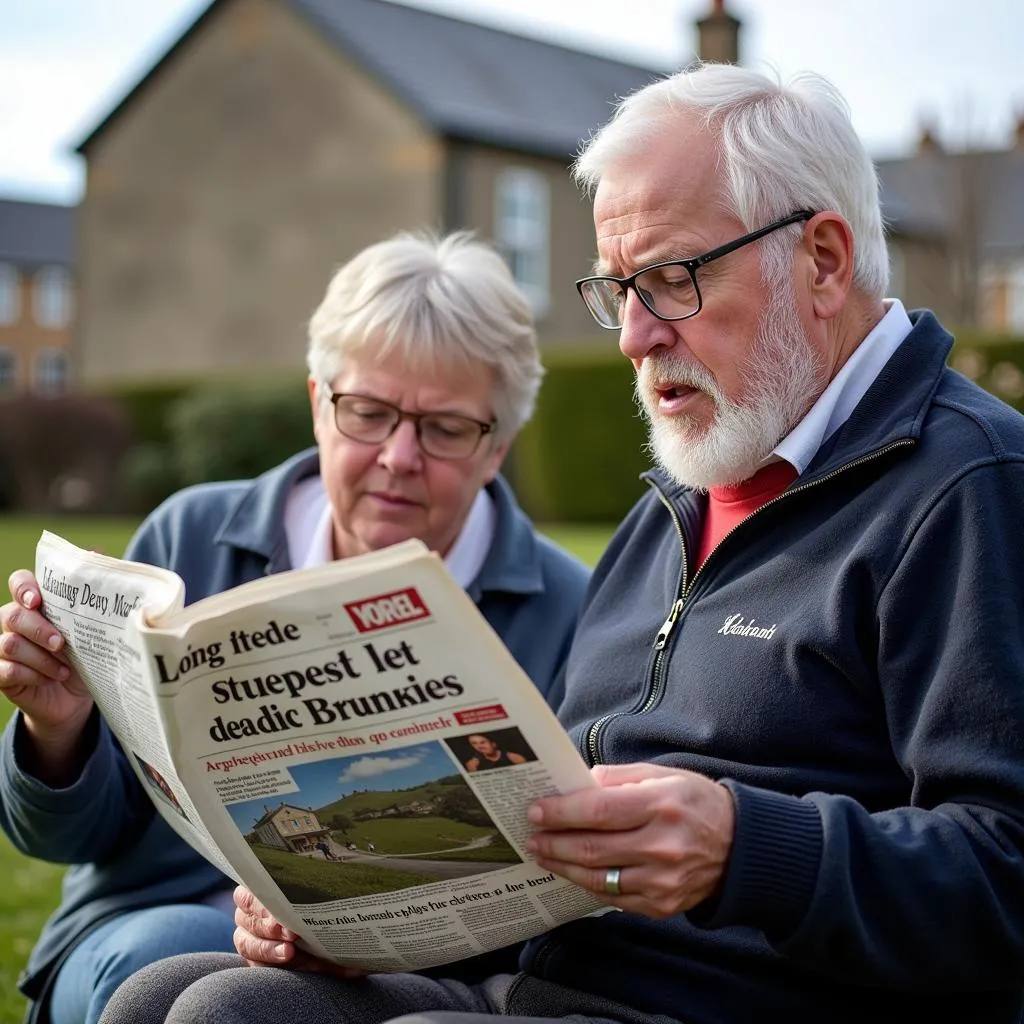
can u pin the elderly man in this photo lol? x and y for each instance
(798, 670)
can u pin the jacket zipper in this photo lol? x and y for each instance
(686, 587)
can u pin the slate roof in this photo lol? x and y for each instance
(467, 81)
(33, 234)
(922, 194)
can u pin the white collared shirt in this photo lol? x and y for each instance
(309, 528)
(846, 389)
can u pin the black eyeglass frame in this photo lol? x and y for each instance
(416, 418)
(691, 265)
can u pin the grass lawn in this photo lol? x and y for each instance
(32, 887)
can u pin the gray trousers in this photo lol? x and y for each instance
(218, 988)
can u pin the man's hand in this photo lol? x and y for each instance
(35, 676)
(668, 831)
(264, 942)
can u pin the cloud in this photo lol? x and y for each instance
(367, 767)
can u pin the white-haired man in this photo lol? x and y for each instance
(797, 672)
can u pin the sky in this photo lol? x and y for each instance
(64, 64)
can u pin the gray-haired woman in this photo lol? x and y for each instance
(423, 367)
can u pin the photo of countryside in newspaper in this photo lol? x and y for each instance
(355, 826)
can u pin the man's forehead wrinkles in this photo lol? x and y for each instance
(624, 254)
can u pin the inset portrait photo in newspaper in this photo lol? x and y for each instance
(484, 750)
(345, 827)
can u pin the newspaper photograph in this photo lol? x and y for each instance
(353, 742)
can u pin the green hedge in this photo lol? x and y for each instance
(996, 363)
(192, 431)
(577, 461)
(580, 457)
(238, 434)
(147, 405)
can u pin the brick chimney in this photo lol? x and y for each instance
(928, 143)
(718, 35)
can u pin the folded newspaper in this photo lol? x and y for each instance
(353, 742)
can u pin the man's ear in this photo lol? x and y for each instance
(828, 247)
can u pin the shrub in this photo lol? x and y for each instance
(580, 457)
(996, 363)
(222, 434)
(60, 453)
(147, 405)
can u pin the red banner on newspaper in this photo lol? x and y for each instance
(473, 716)
(387, 610)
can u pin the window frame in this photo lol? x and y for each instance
(44, 381)
(52, 300)
(522, 230)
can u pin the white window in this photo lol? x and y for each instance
(523, 231)
(10, 294)
(8, 371)
(51, 297)
(1015, 297)
(51, 372)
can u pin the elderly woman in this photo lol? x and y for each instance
(423, 367)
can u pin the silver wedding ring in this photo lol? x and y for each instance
(612, 877)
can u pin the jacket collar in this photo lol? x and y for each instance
(513, 563)
(893, 409)
(255, 523)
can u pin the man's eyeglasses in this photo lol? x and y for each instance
(441, 435)
(669, 290)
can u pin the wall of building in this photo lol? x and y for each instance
(222, 197)
(921, 275)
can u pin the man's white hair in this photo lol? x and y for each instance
(783, 148)
(441, 305)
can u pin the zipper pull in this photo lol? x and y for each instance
(666, 627)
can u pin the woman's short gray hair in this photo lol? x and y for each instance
(784, 148)
(440, 304)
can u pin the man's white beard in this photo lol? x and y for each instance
(783, 378)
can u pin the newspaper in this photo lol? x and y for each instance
(353, 742)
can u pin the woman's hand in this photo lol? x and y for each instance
(36, 677)
(264, 942)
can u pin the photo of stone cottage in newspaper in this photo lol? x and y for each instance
(372, 823)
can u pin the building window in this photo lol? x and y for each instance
(523, 231)
(1015, 298)
(1002, 296)
(51, 297)
(10, 294)
(51, 372)
(897, 272)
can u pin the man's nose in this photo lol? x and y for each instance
(642, 331)
(401, 452)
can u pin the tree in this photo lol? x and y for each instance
(341, 823)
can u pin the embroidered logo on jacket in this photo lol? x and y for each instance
(735, 625)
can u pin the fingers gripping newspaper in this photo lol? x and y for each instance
(353, 742)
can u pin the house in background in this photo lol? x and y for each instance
(956, 223)
(37, 296)
(276, 138)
